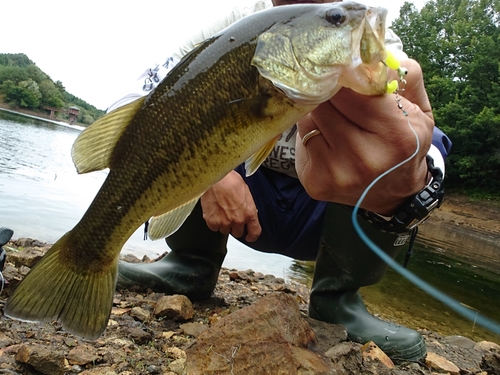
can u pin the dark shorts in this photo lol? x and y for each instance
(291, 220)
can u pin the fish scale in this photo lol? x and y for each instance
(224, 103)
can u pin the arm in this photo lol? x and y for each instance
(362, 137)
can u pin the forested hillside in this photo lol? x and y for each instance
(24, 85)
(457, 43)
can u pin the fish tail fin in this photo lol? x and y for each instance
(80, 299)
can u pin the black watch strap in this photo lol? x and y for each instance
(416, 209)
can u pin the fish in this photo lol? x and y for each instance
(224, 103)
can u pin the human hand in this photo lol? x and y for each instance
(228, 207)
(362, 137)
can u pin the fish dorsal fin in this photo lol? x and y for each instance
(164, 225)
(253, 162)
(93, 148)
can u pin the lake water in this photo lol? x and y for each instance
(42, 197)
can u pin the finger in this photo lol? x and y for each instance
(254, 230)
(237, 230)
(353, 106)
(217, 226)
(213, 227)
(225, 229)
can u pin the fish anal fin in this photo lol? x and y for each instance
(93, 148)
(253, 163)
(164, 225)
(79, 299)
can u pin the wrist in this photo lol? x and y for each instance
(414, 210)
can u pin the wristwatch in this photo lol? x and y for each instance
(416, 209)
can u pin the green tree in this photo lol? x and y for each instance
(31, 93)
(15, 59)
(51, 96)
(25, 94)
(13, 73)
(457, 43)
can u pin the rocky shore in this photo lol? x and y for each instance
(253, 324)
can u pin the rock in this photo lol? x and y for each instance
(5, 340)
(467, 360)
(41, 359)
(487, 346)
(346, 358)
(120, 343)
(176, 307)
(100, 371)
(140, 314)
(119, 312)
(178, 366)
(491, 363)
(327, 334)
(268, 337)
(239, 275)
(81, 355)
(29, 242)
(193, 329)
(460, 341)
(27, 258)
(130, 258)
(174, 353)
(371, 352)
(441, 364)
(139, 336)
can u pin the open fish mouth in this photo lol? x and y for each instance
(340, 46)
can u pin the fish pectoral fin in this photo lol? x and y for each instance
(93, 148)
(79, 298)
(164, 225)
(253, 163)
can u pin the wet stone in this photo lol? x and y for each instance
(441, 364)
(81, 355)
(371, 352)
(41, 359)
(176, 307)
(346, 358)
(140, 314)
(27, 258)
(139, 336)
(193, 329)
(491, 363)
(460, 341)
(487, 346)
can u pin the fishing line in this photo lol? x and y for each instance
(2, 282)
(453, 304)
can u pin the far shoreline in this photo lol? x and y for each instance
(39, 117)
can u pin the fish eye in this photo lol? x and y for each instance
(336, 16)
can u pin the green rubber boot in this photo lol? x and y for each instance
(344, 264)
(191, 267)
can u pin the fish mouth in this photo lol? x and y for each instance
(336, 45)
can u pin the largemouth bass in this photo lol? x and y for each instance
(226, 102)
